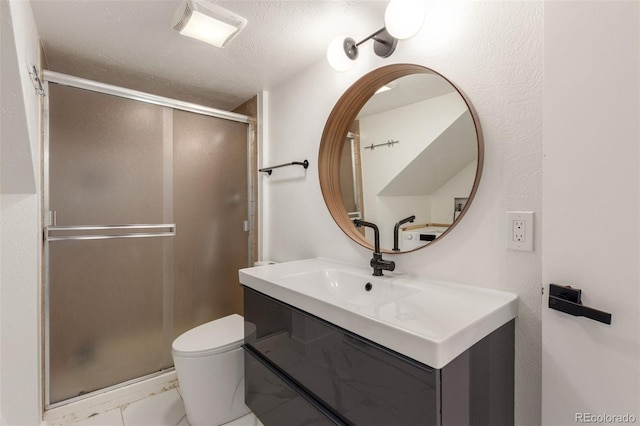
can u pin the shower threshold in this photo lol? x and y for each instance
(103, 400)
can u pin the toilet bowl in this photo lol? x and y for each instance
(209, 363)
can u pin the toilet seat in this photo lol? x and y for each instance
(211, 338)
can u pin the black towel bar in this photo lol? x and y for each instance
(269, 170)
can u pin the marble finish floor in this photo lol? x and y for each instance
(162, 409)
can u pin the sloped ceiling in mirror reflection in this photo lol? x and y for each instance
(439, 162)
(406, 91)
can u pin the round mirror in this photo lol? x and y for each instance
(402, 148)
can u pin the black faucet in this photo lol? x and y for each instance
(377, 263)
(396, 230)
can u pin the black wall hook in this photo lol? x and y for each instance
(568, 300)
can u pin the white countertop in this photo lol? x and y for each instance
(430, 321)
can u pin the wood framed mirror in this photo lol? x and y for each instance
(402, 141)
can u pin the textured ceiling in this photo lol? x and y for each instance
(130, 43)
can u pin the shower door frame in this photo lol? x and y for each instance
(46, 220)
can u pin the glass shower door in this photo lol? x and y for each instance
(106, 283)
(144, 238)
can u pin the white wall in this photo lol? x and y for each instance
(386, 211)
(382, 165)
(20, 237)
(458, 186)
(493, 51)
(436, 208)
(406, 125)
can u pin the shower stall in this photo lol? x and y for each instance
(146, 224)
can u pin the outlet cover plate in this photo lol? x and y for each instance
(519, 230)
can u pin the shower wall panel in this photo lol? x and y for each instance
(211, 206)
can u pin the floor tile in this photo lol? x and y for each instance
(109, 418)
(183, 422)
(163, 409)
(246, 420)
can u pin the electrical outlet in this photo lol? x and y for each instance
(519, 231)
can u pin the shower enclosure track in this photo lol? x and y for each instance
(108, 89)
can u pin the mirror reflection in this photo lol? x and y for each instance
(409, 161)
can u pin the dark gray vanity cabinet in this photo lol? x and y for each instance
(302, 370)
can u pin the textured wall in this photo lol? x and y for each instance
(19, 222)
(19, 138)
(493, 51)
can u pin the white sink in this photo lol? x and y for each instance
(430, 321)
(343, 287)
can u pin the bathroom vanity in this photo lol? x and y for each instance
(335, 345)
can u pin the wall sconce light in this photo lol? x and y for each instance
(207, 22)
(402, 19)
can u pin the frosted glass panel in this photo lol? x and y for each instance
(210, 207)
(105, 313)
(105, 158)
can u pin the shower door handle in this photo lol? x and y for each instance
(53, 218)
(86, 232)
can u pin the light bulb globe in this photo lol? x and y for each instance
(404, 18)
(337, 57)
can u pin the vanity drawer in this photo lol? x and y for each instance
(275, 400)
(362, 381)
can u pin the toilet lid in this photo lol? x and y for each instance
(216, 336)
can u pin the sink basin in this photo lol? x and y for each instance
(430, 321)
(347, 288)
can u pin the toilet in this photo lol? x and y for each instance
(209, 362)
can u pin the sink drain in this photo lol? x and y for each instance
(368, 286)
